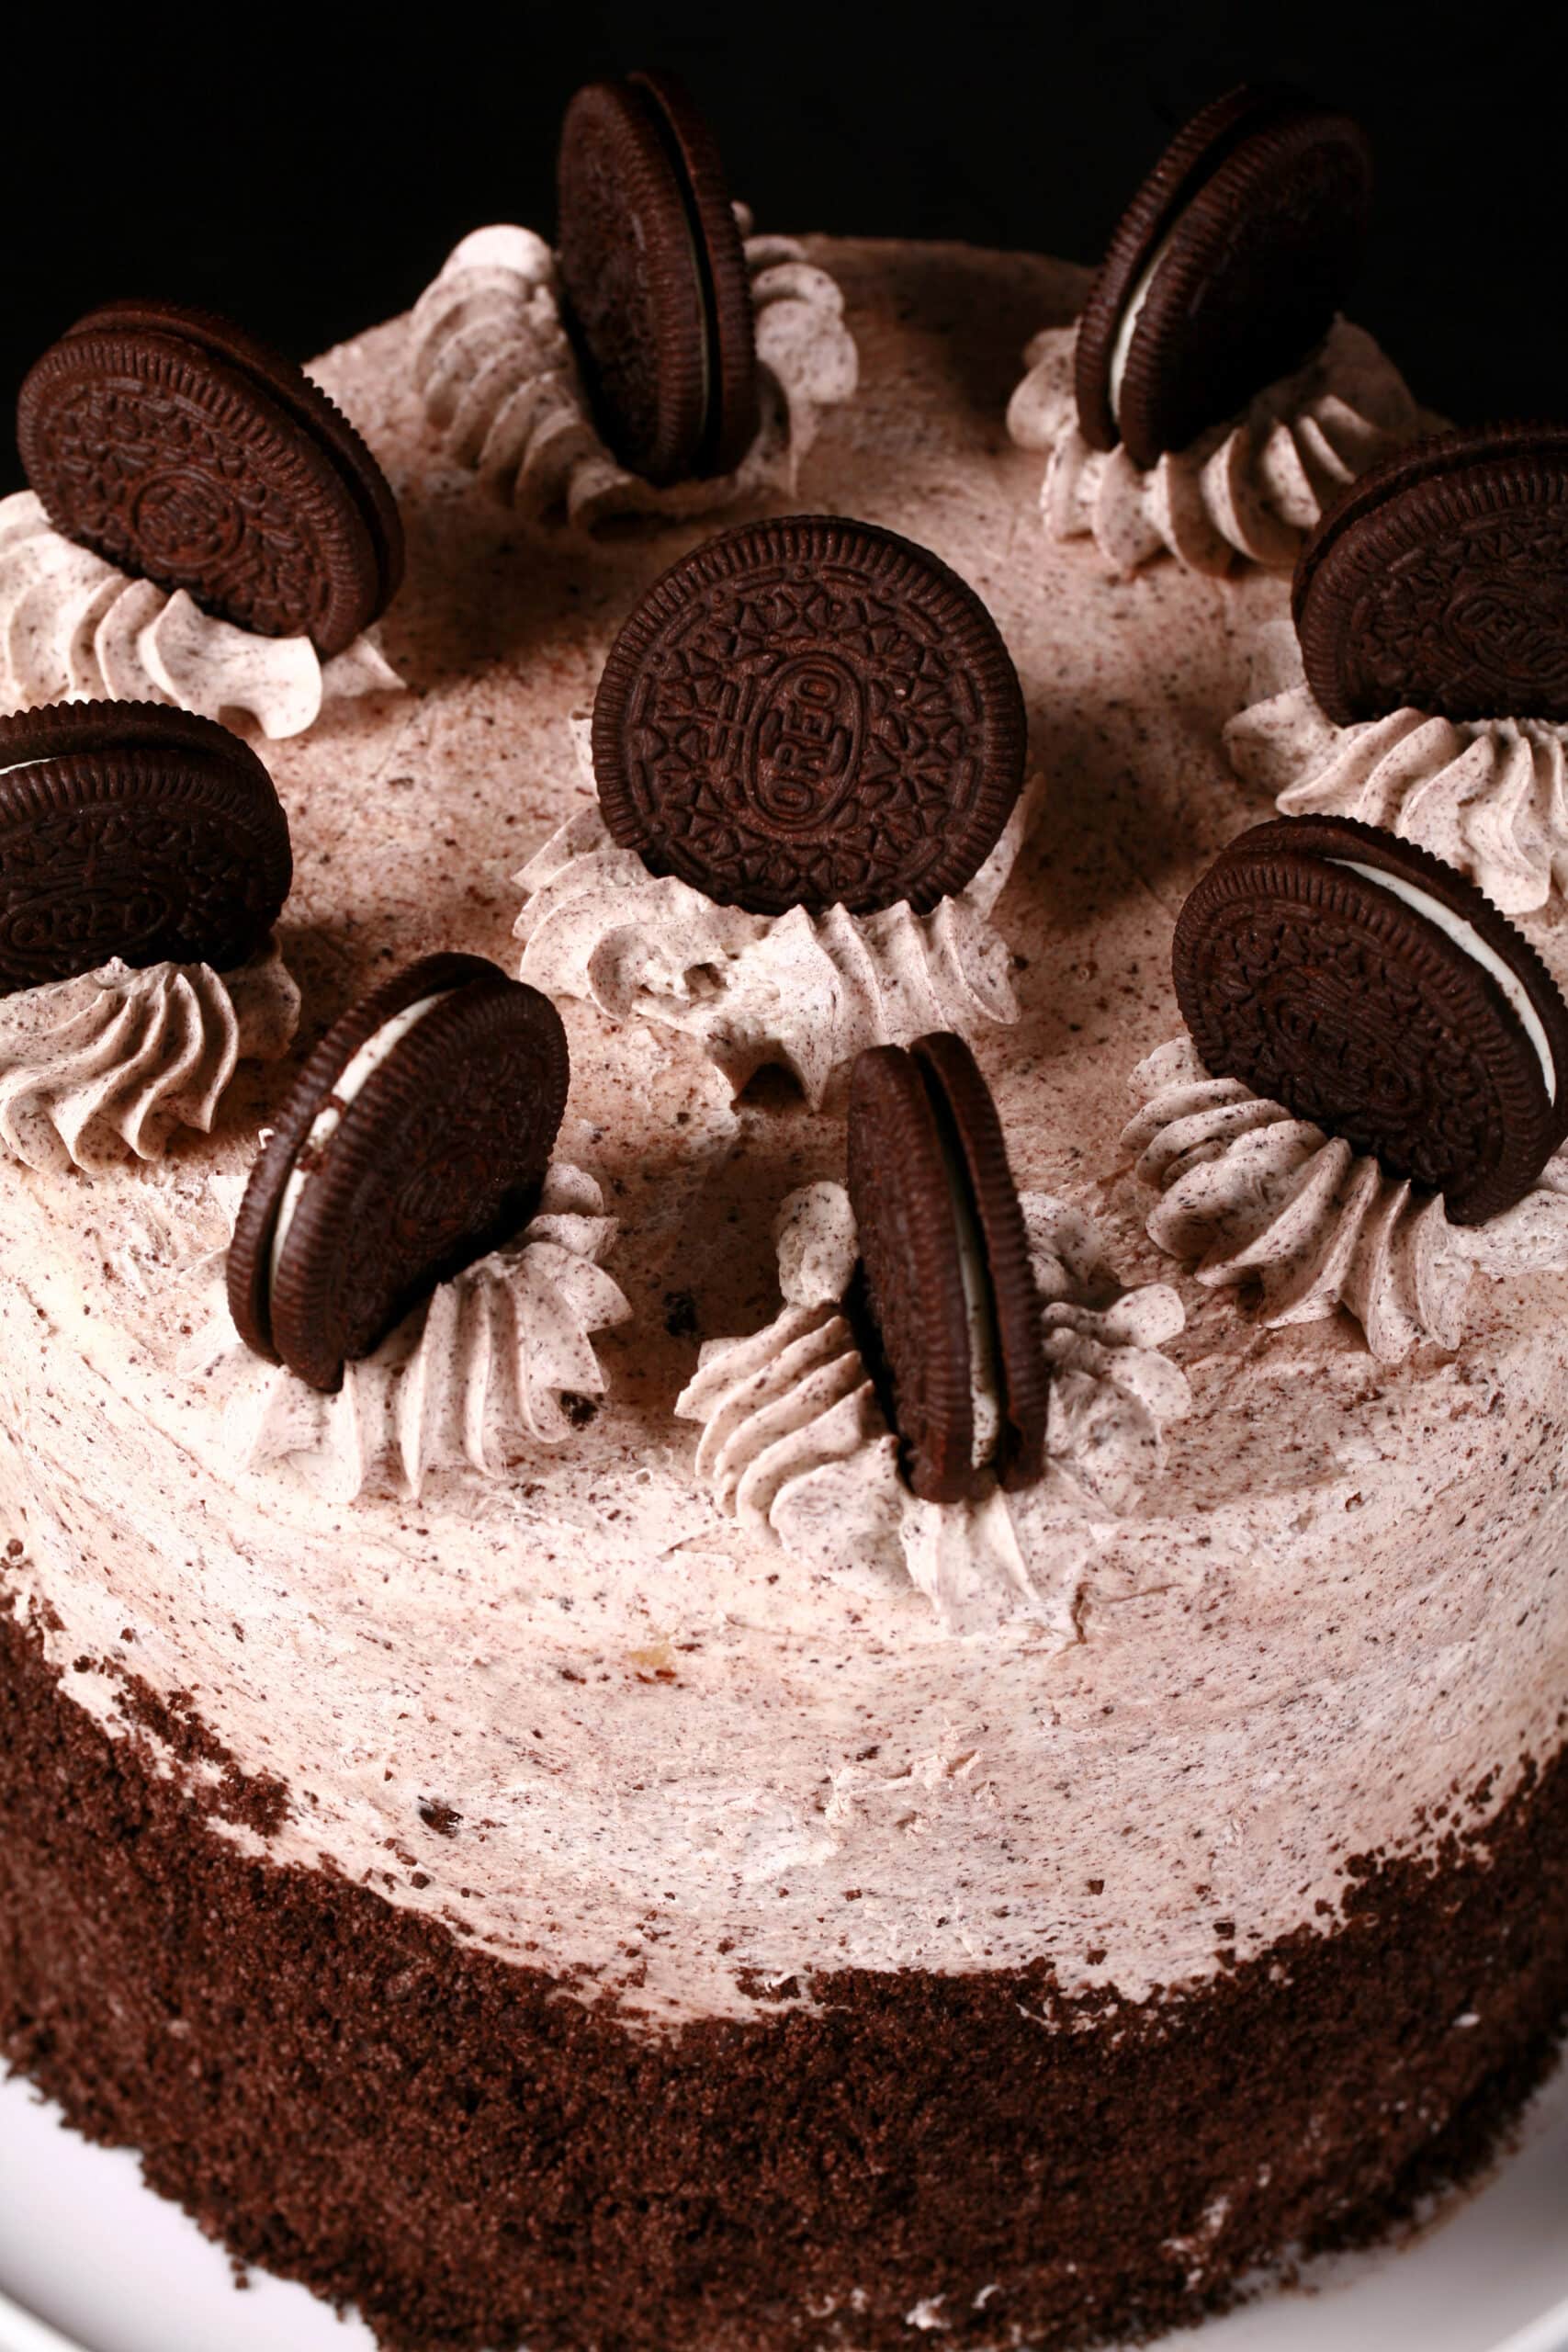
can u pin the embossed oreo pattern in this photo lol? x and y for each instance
(169, 463)
(175, 855)
(1326, 993)
(1446, 589)
(436, 1162)
(810, 713)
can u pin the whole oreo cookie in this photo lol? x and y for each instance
(946, 1282)
(180, 448)
(1440, 582)
(414, 1139)
(654, 275)
(811, 712)
(1373, 990)
(128, 829)
(1226, 268)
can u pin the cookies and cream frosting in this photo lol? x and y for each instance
(75, 627)
(1251, 1194)
(803, 991)
(1253, 488)
(495, 1364)
(500, 381)
(106, 1067)
(1489, 796)
(793, 1441)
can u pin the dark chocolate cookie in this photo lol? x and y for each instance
(1225, 271)
(179, 447)
(811, 712)
(654, 278)
(414, 1139)
(1370, 988)
(945, 1278)
(127, 829)
(1441, 580)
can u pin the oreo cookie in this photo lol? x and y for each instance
(1372, 989)
(1440, 582)
(1225, 269)
(178, 447)
(946, 1292)
(415, 1138)
(657, 297)
(809, 713)
(128, 829)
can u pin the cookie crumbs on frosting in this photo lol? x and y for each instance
(499, 379)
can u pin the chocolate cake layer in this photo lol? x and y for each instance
(342, 2094)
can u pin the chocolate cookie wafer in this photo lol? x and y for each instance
(811, 712)
(415, 1138)
(1372, 989)
(1225, 270)
(128, 829)
(183, 448)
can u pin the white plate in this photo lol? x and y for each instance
(92, 2262)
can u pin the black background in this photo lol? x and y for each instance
(308, 173)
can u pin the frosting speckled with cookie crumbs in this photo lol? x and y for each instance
(500, 381)
(794, 1440)
(806, 992)
(1250, 489)
(74, 628)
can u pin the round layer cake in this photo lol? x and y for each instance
(542, 1911)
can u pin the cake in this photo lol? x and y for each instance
(525, 1884)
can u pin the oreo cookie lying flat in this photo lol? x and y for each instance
(1226, 268)
(1440, 582)
(415, 1138)
(657, 294)
(130, 829)
(945, 1275)
(178, 447)
(811, 712)
(1373, 990)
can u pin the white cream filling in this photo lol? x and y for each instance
(984, 1387)
(356, 1077)
(1465, 935)
(1127, 325)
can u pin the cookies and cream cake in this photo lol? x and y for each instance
(554, 1842)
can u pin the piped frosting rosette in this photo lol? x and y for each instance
(1488, 795)
(499, 379)
(497, 1363)
(1251, 1195)
(75, 627)
(804, 992)
(108, 1067)
(1252, 488)
(794, 1444)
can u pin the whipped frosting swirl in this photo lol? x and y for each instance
(496, 1361)
(804, 990)
(1253, 488)
(500, 381)
(74, 628)
(1250, 1193)
(1489, 796)
(793, 1441)
(105, 1067)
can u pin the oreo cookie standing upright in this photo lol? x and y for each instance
(945, 1285)
(811, 712)
(657, 295)
(181, 447)
(133, 830)
(1439, 582)
(1369, 987)
(415, 1138)
(1225, 270)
